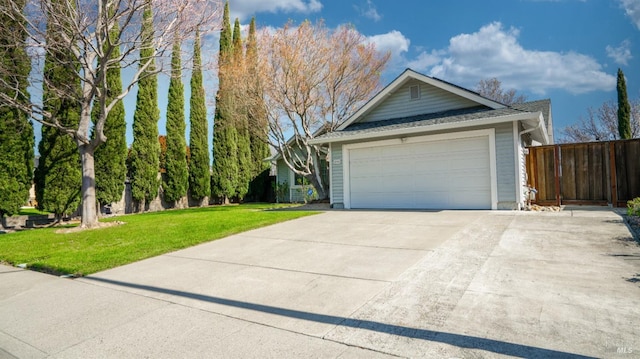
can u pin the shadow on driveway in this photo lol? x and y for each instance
(462, 341)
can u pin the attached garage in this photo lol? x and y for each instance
(452, 171)
(424, 143)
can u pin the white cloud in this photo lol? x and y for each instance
(621, 54)
(243, 9)
(495, 52)
(370, 11)
(632, 9)
(395, 43)
(425, 60)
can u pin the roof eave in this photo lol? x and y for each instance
(431, 128)
(537, 129)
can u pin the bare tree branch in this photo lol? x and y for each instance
(83, 28)
(492, 89)
(312, 79)
(601, 124)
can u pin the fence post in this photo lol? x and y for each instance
(556, 170)
(614, 180)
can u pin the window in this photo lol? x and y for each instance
(299, 180)
(415, 92)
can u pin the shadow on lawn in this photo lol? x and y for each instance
(459, 340)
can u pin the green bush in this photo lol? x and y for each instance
(281, 190)
(633, 207)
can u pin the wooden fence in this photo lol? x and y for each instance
(594, 173)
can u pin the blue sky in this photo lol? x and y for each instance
(566, 50)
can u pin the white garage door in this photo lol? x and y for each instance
(442, 174)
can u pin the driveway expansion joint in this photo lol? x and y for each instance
(278, 269)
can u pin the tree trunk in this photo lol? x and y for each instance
(89, 208)
(320, 189)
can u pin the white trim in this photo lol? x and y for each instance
(410, 74)
(292, 187)
(517, 153)
(430, 128)
(489, 133)
(538, 127)
(346, 190)
(493, 167)
(292, 178)
(330, 160)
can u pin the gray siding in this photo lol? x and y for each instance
(282, 176)
(337, 173)
(505, 166)
(432, 100)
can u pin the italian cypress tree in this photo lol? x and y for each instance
(111, 156)
(624, 109)
(199, 175)
(16, 132)
(58, 178)
(245, 166)
(225, 148)
(256, 114)
(176, 175)
(145, 149)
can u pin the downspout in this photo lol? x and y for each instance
(540, 122)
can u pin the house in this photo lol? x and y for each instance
(424, 143)
(293, 187)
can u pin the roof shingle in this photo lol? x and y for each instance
(451, 116)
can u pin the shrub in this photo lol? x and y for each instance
(633, 207)
(281, 190)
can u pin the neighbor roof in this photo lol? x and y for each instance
(543, 106)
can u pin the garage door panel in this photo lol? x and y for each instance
(398, 182)
(468, 200)
(430, 174)
(434, 199)
(366, 186)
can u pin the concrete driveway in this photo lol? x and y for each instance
(351, 284)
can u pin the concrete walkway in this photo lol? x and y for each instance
(351, 284)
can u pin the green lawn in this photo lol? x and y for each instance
(142, 236)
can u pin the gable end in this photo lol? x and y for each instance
(416, 98)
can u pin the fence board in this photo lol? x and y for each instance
(628, 170)
(568, 173)
(542, 176)
(588, 173)
(597, 164)
(633, 164)
(583, 183)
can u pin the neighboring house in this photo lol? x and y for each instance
(296, 188)
(424, 143)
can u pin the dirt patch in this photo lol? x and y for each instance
(97, 226)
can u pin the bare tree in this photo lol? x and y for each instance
(312, 79)
(492, 89)
(83, 27)
(601, 124)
